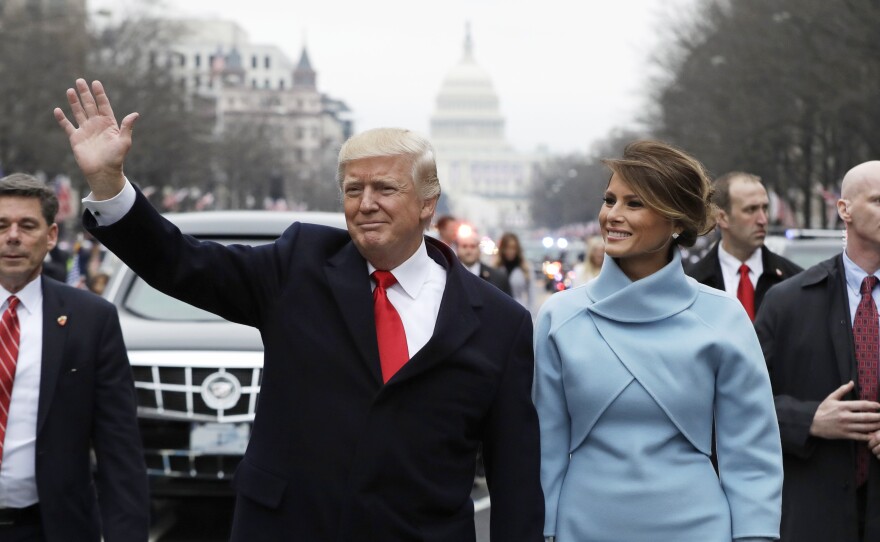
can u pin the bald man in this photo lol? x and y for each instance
(819, 333)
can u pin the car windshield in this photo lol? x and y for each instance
(148, 302)
(808, 254)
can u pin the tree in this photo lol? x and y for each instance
(173, 135)
(785, 89)
(42, 47)
(569, 189)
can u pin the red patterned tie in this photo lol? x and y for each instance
(866, 335)
(9, 337)
(393, 352)
(745, 292)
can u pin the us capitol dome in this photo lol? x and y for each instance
(484, 178)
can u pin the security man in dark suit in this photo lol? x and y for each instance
(387, 364)
(820, 332)
(469, 255)
(740, 263)
(66, 394)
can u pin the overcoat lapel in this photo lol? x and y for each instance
(54, 340)
(456, 322)
(840, 327)
(347, 275)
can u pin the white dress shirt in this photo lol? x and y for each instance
(730, 268)
(109, 211)
(416, 295)
(18, 480)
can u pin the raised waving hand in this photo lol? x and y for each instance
(99, 143)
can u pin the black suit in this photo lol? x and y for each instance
(806, 334)
(87, 401)
(776, 269)
(496, 277)
(335, 455)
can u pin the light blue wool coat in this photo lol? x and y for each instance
(628, 377)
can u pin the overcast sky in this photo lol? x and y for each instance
(566, 71)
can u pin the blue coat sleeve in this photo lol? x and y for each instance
(553, 418)
(747, 435)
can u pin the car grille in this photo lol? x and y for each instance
(172, 388)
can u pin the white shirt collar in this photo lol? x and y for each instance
(731, 262)
(412, 274)
(28, 297)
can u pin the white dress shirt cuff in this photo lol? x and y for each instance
(110, 211)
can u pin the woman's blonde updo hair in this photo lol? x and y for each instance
(672, 183)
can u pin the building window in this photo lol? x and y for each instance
(267, 62)
(254, 61)
(253, 83)
(197, 81)
(266, 84)
(281, 84)
(198, 60)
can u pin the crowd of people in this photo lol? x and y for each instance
(731, 399)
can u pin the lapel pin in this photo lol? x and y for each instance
(62, 321)
(778, 272)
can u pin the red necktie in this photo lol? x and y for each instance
(9, 337)
(393, 352)
(866, 336)
(745, 292)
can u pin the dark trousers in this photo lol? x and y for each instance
(22, 533)
(21, 525)
(861, 508)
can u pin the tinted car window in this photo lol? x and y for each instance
(147, 302)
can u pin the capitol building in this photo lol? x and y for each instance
(485, 180)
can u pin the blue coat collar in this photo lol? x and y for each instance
(658, 296)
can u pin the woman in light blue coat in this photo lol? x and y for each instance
(632, 370)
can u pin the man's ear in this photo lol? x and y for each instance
(721, 219)
(53, 235)
(843, 210)
(428, 207)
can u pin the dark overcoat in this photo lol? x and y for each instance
(335, 455)
(806, 334)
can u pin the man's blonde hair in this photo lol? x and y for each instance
(381, 142)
